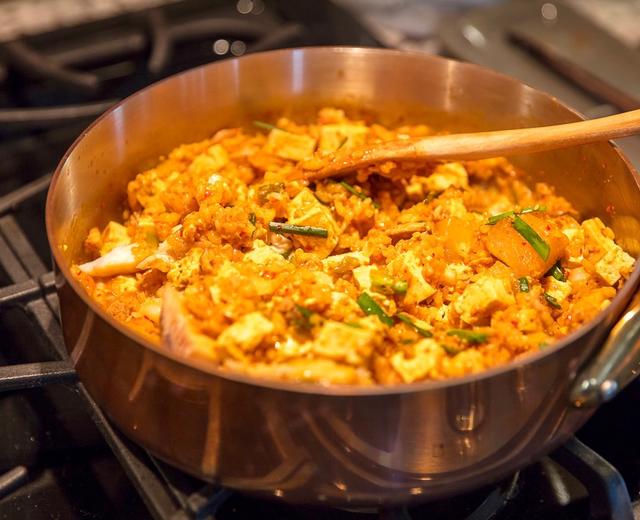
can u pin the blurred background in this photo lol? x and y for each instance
(64, 62)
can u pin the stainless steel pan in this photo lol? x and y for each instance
(301, 442)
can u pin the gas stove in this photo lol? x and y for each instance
(59, 456)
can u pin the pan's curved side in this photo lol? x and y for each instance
(321, 447)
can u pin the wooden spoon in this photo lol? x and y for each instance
(480, 145)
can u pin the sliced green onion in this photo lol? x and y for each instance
(523, 284)
(283, 228)
(353, 324)
(529, 234)
(532, 209)
(407, 341)
(500, 216)
(400, 287)
(386, 284)
(252, 218)
(370, 308)
(422, 331)
(469, 335)
(343, 142)
(359, 194)
(557, 272)
(452, 351)
(304, 322)
(552, 301)
(267, 126)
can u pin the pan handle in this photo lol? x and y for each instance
(615, 366)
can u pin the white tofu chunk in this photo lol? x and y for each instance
(362, 276)
(419, 289)
(346, 344)
(482, 297)
(265, 255)
(614, 264)
(427, 356)
(448, 175)
(246, 333)
(206, 164)
(575, 234)
(456, 271)
(332, 136)
(290, 146)
(557, 289)
(119, 260)
(305, 210)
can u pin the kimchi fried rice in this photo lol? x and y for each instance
(400, 273)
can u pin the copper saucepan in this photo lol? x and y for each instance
(306, 443)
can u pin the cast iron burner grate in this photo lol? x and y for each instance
(28, 285)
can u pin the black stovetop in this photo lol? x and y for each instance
(59, 457)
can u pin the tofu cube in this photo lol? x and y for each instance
(246, 333)
(614, 264)
(333, 136)
(290, 146)
(559, 290)
(427, 355)
(482, 297)
(448, 175)
(346, 344)
(419, 289)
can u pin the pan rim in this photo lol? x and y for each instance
(314, 388)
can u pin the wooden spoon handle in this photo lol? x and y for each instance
(483, 145)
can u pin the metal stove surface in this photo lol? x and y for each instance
(59, 457)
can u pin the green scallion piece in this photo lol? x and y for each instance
(353, 324)
(267, 126)
(523, 284)
(529, 234)
(452, 351)
(370, 308)
(384, 283)
(469, 335)
(359, 194)
(532, 209)
(500, 216)
(552, 301)
(423, 332)
(343, 142)
(252, 218)
(303, 322)
(557, 272)
(283, 228)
